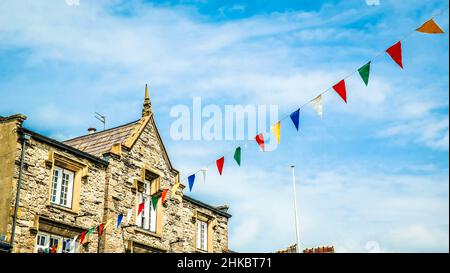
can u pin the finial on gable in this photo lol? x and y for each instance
(146, 111)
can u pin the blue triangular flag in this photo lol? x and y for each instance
(191, 181)
(295, 117)
(119, 219)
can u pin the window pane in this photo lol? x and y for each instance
(56, 174)
(64, 189)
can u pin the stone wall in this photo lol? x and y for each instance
(8, 154)
(178, 229)
(106, 191)
(35, 196)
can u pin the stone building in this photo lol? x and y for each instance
(68, 187)
(320, 249)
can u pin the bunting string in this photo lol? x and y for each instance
(429, 27)
(395, 52)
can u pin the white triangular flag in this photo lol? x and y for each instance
(317, 105)
(73, 244)
(204, 170)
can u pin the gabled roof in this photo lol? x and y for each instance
(63, 146)
(101, 142)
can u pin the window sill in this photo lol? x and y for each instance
(147, 232)
(69, 210)
(201, 251)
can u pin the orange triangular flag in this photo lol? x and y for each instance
(430, 27)
(163, 195)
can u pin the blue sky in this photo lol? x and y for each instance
(373, 170)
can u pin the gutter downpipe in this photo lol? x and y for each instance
(25, 138)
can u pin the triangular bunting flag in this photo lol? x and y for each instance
(341, 90)
(119, 219)
(140, 208)
(430, 27)
(100, 229)
(90, 231)
(276, 130)
(237, 155)
(204, 170)
(155, 201)
(317, 105)
(108, 223)
(364, 72)
(219, 163)
(295, 117)
(73, 244)
(83, 236)
(59, 247)
(68, 244)
(191, 180)
(163, 195)
(260, 140)
(395, 52)
(174, 190)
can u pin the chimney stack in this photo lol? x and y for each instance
(92, 130)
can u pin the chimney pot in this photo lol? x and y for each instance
(92, 130)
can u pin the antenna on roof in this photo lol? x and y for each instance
(101, 118)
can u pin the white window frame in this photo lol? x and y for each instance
(60, 239)
(202, 235)
(147, 219)
(57, 187)
(44, 245)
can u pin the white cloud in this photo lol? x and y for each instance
(431, 132)
(280, 58)
(341, 206)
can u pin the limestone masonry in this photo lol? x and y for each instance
(69, 187)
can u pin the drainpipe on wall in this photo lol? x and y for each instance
(25, 138)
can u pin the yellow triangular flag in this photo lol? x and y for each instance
(276, 130)
(59, 247)
(317, 105)
(430, 27)
(107, 223)
(174, 190)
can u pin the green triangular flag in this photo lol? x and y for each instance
(237, 155)
(154, 201)
(364, 72)
(90, 231)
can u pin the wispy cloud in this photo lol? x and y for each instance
(61, 63)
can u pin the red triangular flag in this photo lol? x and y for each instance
(395, 52)
(100, 229)
(340, 89)
(260, 140)
(140, 208)
(163, 195)
(83, 235)
(219, 163)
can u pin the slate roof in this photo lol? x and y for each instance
(101, 142)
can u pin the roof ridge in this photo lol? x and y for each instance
(96, 133)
